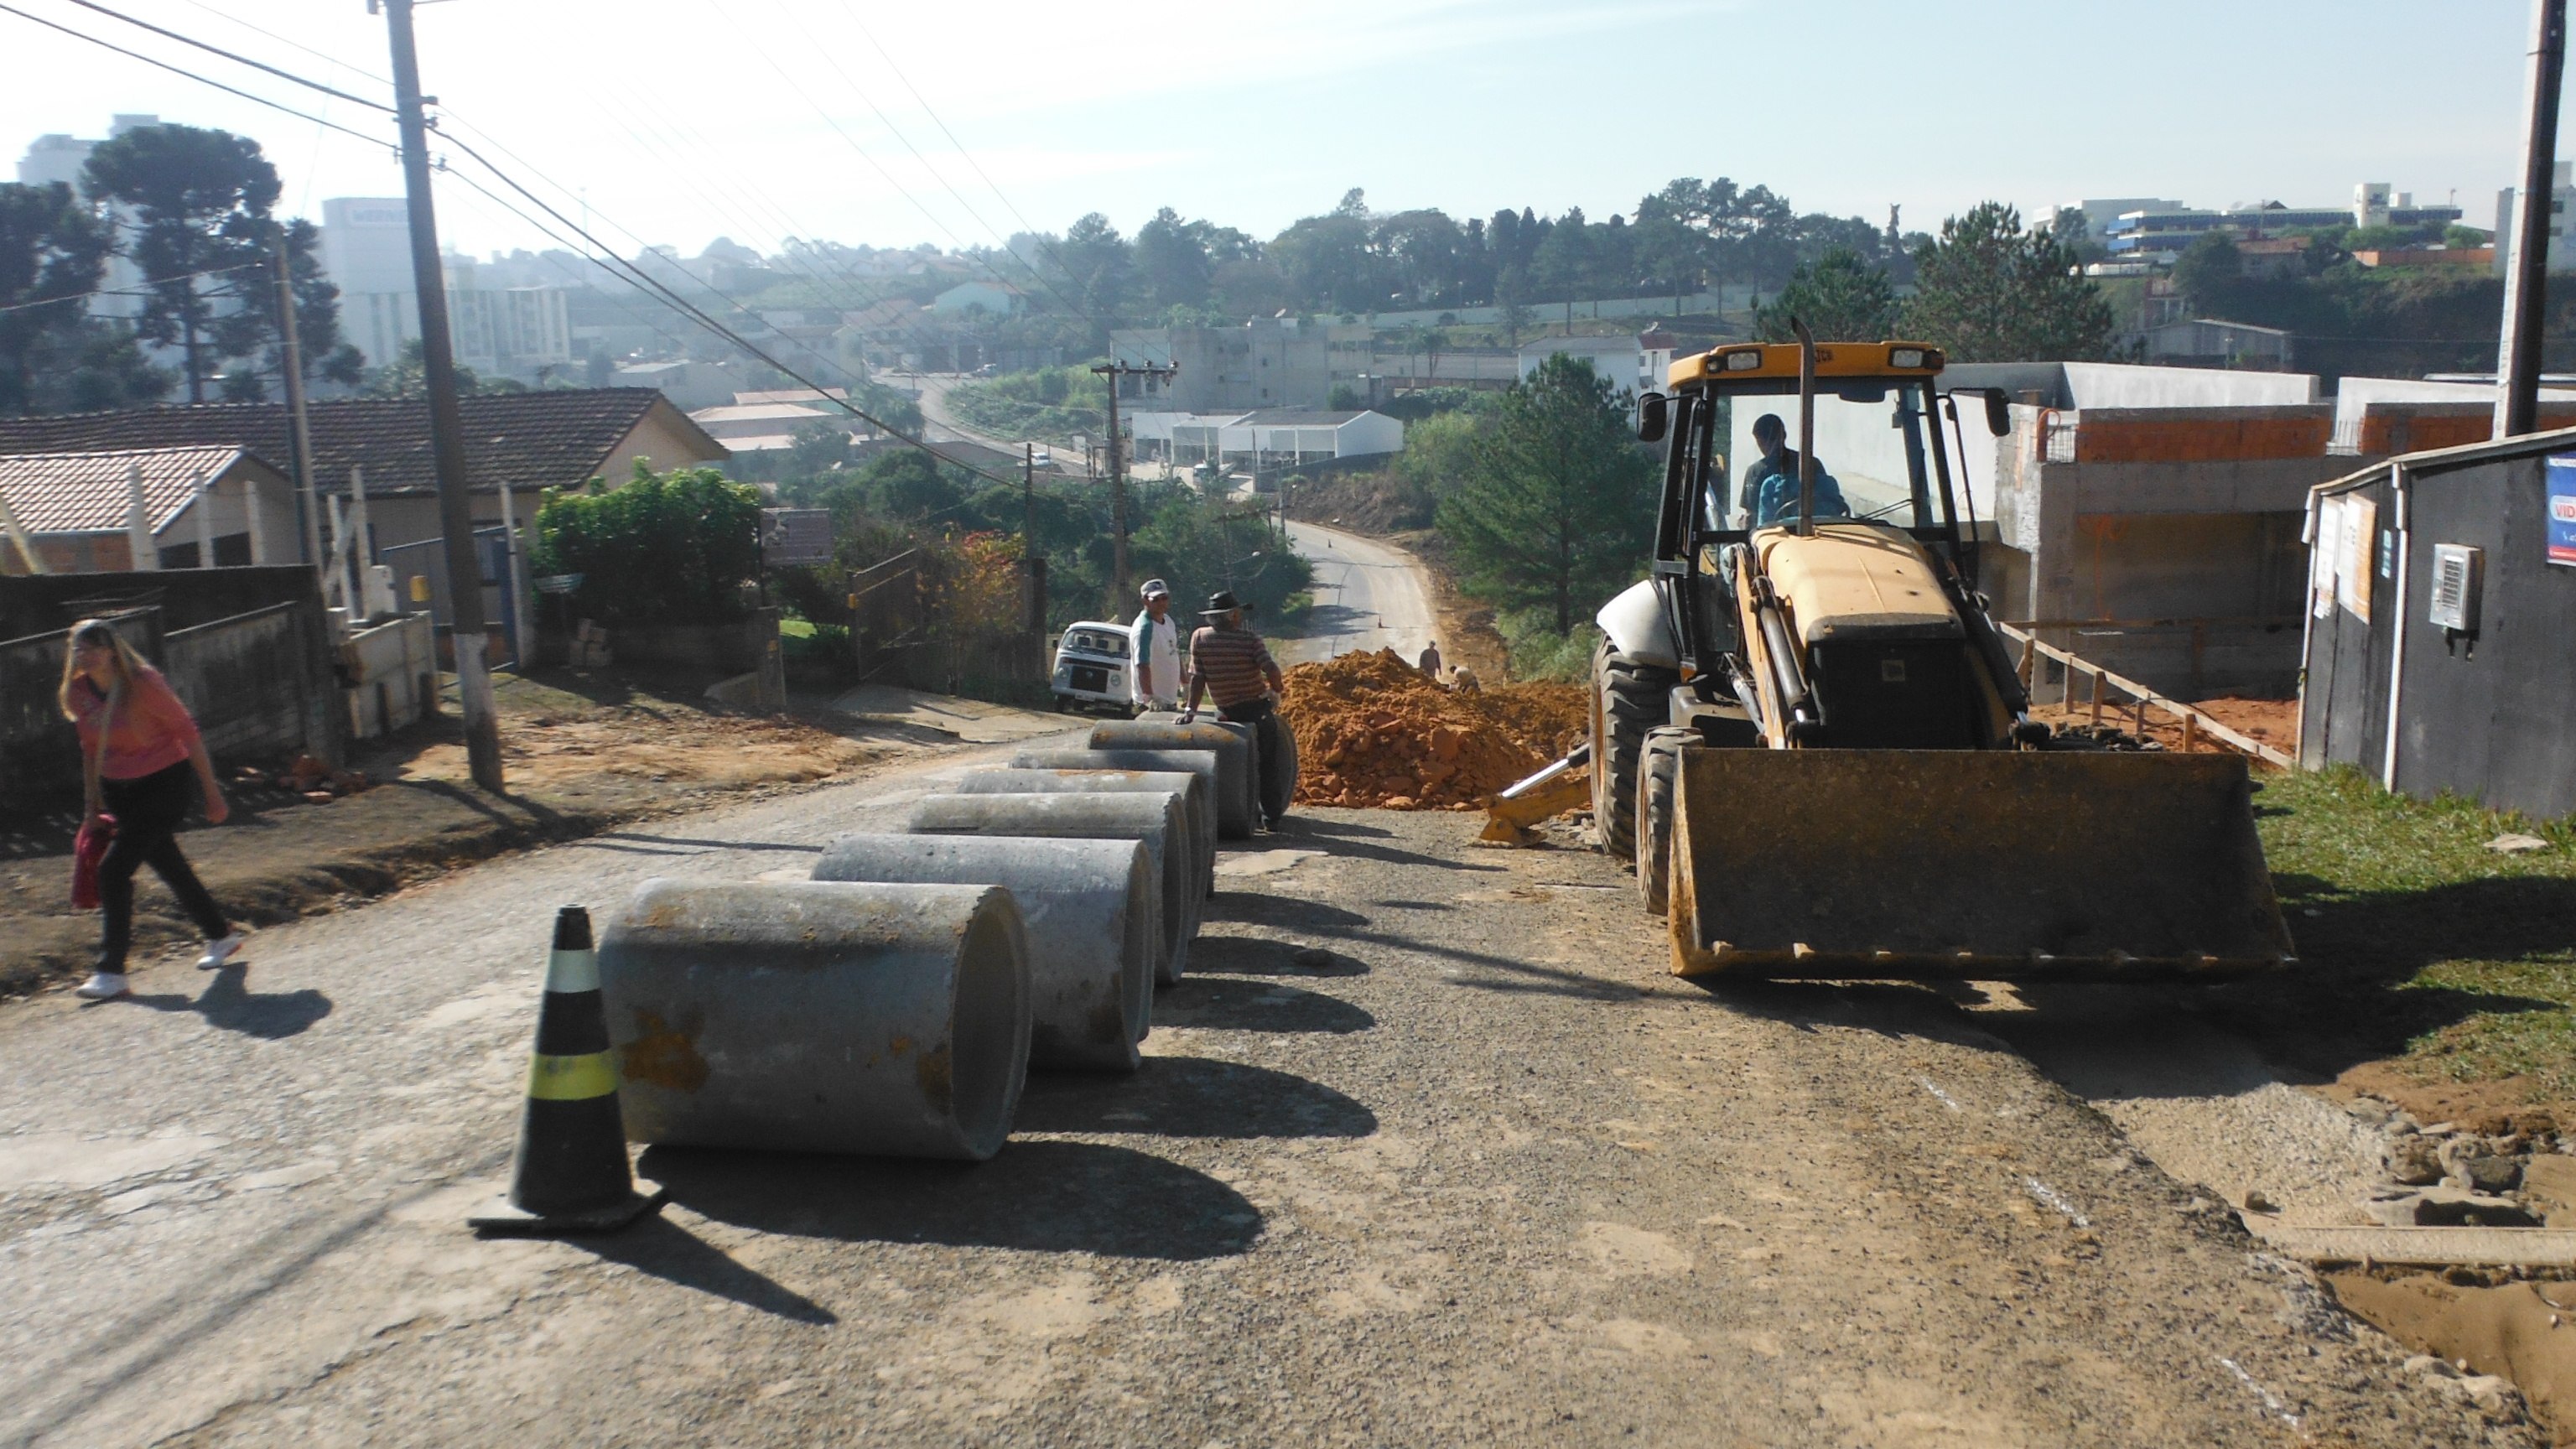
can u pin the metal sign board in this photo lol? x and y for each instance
(556, 583)
(795, 536)
(2561, 502)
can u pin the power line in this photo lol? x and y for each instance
(695, 313)
(192, 75)
(212, 49)
(323, 56)
(117, 292)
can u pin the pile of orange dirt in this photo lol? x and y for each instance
(1373, 731)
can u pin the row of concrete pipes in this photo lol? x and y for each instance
(894, 1003)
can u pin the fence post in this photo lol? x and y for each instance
(2097, 698)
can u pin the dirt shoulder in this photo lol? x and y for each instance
(583, 753)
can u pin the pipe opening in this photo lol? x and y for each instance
(988, 1026)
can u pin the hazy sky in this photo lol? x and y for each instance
(681, 120)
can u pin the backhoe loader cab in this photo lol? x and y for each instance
(1810, 739)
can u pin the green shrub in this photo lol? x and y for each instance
(667, 548)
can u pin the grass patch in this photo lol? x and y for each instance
(2420, 945)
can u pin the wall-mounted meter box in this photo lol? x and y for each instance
(2458, 571)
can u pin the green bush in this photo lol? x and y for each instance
(667, 548)
(1539, 652)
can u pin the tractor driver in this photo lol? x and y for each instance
(1771, 485)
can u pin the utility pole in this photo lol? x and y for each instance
(446, 422)
(291, 349)
(2517, 404)
(1114, 370)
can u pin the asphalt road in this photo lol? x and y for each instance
(1484, 1176)
(1368, 596)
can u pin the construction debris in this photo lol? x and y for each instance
(1372, 731)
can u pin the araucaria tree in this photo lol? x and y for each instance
(1840, 297)
(199, 206)
(1987, 291)
(1557, 502)
(53, 357)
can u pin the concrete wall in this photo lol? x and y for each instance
(2127, 385)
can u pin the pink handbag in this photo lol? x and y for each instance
(88, 849)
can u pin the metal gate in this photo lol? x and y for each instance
(428, 559)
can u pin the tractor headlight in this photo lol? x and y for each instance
(1905, 357)
(1744, 361)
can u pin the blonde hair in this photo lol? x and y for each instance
(128, 663)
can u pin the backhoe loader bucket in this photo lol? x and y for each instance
(1870, 864)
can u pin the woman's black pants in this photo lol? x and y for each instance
(148, 810)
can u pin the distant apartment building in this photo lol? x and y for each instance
(523, 332)
(1269, 362)
(2508, 222)
(2162, 229)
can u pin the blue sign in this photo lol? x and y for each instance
(2561, 502)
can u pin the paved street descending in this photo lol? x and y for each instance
(1368, 596)
(1427, 1151)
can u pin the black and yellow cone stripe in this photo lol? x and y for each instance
(572, 1140)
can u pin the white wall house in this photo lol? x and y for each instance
(965, 298)
(1629, 365)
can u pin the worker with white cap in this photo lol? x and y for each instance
(1157, 676)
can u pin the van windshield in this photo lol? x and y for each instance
(1096, 641)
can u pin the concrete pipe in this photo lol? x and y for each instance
(1154, 821)
(1094, 923)
(881, 1019)
(1198, 801)
(1238, 763)
(1233, 813)
(1274, 756)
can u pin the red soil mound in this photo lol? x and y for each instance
(1372, 731)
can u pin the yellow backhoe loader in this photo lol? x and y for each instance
(1810, 738)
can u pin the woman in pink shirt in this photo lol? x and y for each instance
(136, 768)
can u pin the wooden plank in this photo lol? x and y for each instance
(2420, 1247)
(2194, 721)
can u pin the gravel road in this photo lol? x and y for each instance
(1482, 1176)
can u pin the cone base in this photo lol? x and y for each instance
(498, 1219)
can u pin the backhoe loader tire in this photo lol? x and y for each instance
(1658, 766)
(1628, 699)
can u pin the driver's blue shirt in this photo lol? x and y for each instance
(1774, 491)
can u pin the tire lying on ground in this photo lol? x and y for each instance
(1659, 760)
(1629, 697)
(1198, 797)
(1153, 821)
(1092, 911)
(879, 1019)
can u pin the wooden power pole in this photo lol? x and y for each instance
(291, 353)
(446, 422)
(1113, 370)
(2517, 404)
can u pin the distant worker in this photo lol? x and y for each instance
(1771, 485)
(1429, 663)
(1463, 679)
(1230, 663)
(1158, 650)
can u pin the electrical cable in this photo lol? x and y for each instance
(212, 49)
(119, 292)
(201, 80)
(697, 314)
(324, 56)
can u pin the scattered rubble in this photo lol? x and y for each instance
(2517, 844)
(306, 776)
(1373, 731)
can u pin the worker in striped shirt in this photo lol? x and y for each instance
(1231, 664)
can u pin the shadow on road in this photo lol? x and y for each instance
(1261, 956)
(665, 1250)
(229, 1004)
(1191, 1097)
(1219, 1004)
(1045, 1197)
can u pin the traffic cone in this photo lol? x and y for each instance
(569, 1174)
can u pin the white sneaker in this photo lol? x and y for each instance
(101, 986)
(219, 952)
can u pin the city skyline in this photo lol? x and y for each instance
(886, 129)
